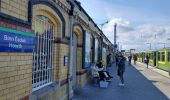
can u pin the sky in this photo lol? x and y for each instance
(139, 22)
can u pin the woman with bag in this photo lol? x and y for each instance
(121, 69)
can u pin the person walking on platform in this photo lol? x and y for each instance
(135, 58)
(130, 58)
(121, 69)
(147, 60)
(117, 59)
(109, 63)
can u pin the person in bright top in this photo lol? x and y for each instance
(95, 70)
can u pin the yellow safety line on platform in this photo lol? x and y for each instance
(164, 73)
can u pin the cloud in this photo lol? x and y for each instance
(136, 37)
(122, 28)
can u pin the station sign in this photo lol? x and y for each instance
(16, 41)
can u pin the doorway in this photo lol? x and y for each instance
(154, 58)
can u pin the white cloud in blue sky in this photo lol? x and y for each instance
(139, 22)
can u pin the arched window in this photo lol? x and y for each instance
(43, 53)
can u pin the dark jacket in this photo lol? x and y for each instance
(121, 65)
(147, 59)
(130, 58)
(135, 57)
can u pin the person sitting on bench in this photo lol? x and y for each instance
(104, 75)
(95, 70)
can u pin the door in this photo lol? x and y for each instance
(142, 57)
(74, 59)
(154, 59)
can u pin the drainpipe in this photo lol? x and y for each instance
(70, 48)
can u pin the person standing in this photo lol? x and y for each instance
(117, 59)
(109, 60)
(121, 69)
(135, 58)
(130, 58)
(147, 60)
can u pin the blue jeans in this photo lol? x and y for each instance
(121, 77)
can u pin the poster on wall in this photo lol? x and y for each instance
(87, 48)
(16, 41)
(96, 50)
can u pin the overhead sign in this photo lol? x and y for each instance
(16, 41)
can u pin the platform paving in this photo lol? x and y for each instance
(140, 84)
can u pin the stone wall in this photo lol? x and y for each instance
(15, 75)
(15, 8)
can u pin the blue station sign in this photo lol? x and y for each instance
(16, 41)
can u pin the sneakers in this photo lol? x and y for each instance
(120, 84)
(111, 76)
(108, 79)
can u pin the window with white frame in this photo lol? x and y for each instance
(42, 69)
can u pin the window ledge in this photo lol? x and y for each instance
(45, 90)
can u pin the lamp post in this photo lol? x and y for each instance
(149, 45)
(106, 22)
(115, 26)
